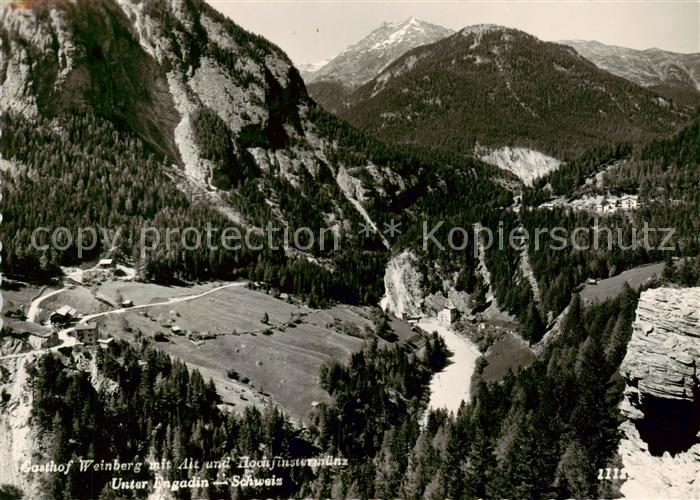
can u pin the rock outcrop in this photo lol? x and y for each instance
(664, 351)
(405, 294)
(19, 442)
(651, 476)
(660, 448)
(525, 163)
(403, 284)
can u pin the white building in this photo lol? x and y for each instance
(88, 333)
(105, 343)
(447, 316)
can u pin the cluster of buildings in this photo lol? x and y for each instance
(446, 316)
(169, 322)
(87, 333)
(604, 204)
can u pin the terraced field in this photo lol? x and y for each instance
(283, 362)
(144, 293)
(275, 347)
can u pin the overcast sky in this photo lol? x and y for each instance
(311, 31)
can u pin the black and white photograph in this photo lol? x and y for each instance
(349, 249)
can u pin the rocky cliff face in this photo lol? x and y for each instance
(403, 284)
(156, 68)
(525, 163)
(661, 444)
(405, 294)
(665, 347)
(19, 442)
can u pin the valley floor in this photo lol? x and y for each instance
(273, 348)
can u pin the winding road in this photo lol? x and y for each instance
(69, 341)
(172, 300)
(34, 307)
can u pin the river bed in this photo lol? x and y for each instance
(452, 385)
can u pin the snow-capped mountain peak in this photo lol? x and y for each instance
(365, 59)
(308, 69)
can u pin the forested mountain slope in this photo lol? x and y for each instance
(660, 176)
(332, 83)
(163, 114)
(673, 75)
(493, 86)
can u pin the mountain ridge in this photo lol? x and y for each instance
(486, 78)
(671, 74)
(364, 59)
(236, 138)
(330, 84)
(308, 69)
